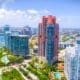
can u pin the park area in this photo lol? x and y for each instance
(11, 75)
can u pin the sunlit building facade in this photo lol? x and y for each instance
(72, 62)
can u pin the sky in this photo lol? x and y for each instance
(19, 13)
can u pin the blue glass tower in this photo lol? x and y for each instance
(18, 44)
(49, 43)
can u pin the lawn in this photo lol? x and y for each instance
(40, 73)
(12, 75)
(10, 56)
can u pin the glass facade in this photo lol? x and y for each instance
(26, 31)
(49, 43)
(18, 44)
(7, 39)
(6, 28)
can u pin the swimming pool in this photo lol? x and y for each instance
(57, 75)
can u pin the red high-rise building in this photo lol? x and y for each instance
(48, 37)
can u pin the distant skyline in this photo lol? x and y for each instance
(28, 12)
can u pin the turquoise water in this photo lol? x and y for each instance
(57, 75)
(5, 59)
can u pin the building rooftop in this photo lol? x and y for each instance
(20, 35)
(70, 51)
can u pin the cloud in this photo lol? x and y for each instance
(19, 18)
(32, 11)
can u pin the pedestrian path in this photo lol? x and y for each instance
(0, 74)
(34, 77)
